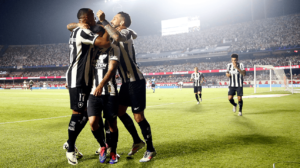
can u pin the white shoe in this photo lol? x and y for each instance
(136, 148)
(77, 153)
(71, 156)
(198, 102)
(148, 156)
(234, 109)
(240, 114)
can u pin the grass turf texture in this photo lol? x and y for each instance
(185, 134)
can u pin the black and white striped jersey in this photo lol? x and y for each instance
(197, 78)
(81, 45)
(128, 69)
(236, 79)
(100, 64)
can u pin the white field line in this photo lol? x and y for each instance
(34, 120)
(70, 115)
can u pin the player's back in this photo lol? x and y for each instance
(129, 71)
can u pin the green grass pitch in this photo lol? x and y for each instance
(184, 134)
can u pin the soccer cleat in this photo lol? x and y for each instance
(108, 149)
(71, 156)
(114, 158)
(148, 156)
(234, 109)
(136, 148)
(102, 155)
(198, 102)
(77, 153)
(240, 114)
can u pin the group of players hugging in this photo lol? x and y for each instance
(235, 72)
(97, 51)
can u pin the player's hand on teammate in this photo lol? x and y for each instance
(83, 25)
(101, 15)
(98, 90)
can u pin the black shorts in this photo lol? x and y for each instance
(153, 85)
(197, 89)
(106, 103)
(30, 86)
(133, 94)
(78, 98)
(233, 90)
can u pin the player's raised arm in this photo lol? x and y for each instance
(72, 26)
(113, 32)
(112, 69)
(103, 41)
(241, 69)
(227, 72)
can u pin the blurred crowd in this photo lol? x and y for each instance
(271, 33)
(248, 63)
(36, 55)
(256, 35)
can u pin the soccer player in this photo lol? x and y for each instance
(79, 81)
(104, 97)
(148, 84)
(153, 84)
(30, 84)
(180, 85)
(235, 73)
(133, 88)
(198, 80)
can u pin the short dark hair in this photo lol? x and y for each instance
(234, 56)
(126, 17)
(82, 11)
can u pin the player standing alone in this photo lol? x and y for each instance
(180, 84)
(30, 84)
(198, 79)
(235, 73)
(153, 84)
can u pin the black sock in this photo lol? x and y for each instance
(232, 102)
(196, 97)
(76, 124)
(200, 95)
(129, 125)
(107, 133)
(241, 105)
(114, 141)
(146, 131)
(98, 135)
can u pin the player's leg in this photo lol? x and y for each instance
(137, 96)
(124, 117)
(96, 105)
(78, 103)
(231, 93)
(240, 94)
(199, 92)
(196, 95)
(111, 111)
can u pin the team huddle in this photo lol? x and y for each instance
(97, 51)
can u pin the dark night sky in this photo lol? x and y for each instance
(25, 22)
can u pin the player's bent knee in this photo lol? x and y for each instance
(139, 116)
